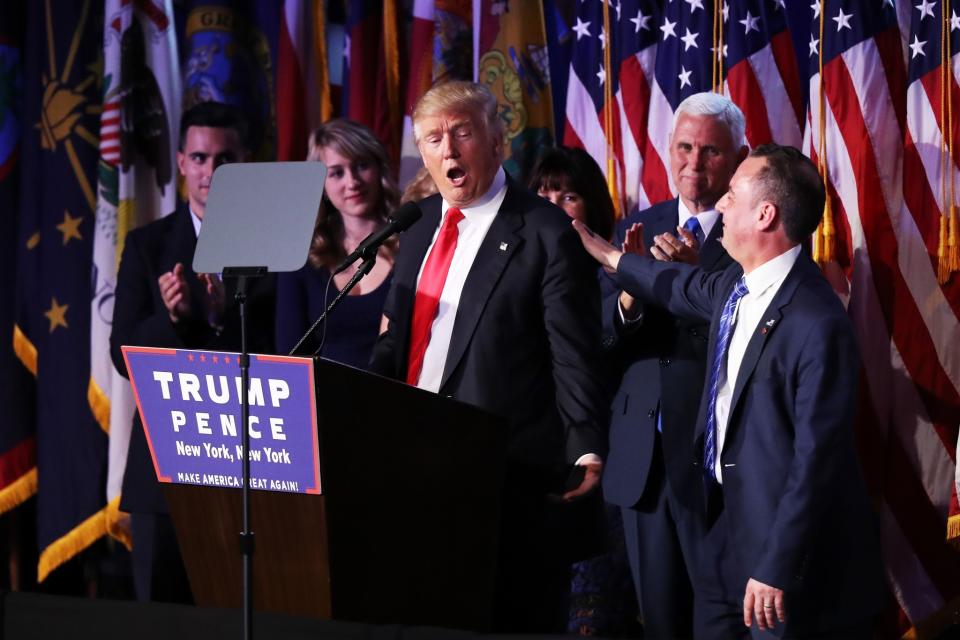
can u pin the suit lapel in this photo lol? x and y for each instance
(664, 220)
(500, 243)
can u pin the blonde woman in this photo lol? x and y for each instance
(359, 194)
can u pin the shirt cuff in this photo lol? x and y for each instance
(588, 458)
(623, 317)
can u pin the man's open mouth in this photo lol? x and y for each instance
(456, 176)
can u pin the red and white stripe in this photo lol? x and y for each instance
(770, 73)
(908, 325)
(645, 117)
(642, 119)
(110, 133)
(297, 100)
(419, 80)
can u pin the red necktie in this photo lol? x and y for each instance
(427, 300)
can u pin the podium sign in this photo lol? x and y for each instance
(189, 402)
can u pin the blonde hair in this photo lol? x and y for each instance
(420, 186)
(462, 97)
(353, 141)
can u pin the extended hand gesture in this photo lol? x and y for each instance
(670, 248)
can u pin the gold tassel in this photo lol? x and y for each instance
(118, 524)
(320, 59)
(392, 67)
(953, 530)
(943, 252)
(79, 538)
(19, 491)
(954, 241)
(824, 242)
(612, 184)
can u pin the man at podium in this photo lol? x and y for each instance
(161, 302)
(495, 304)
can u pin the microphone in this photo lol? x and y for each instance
(399, 222)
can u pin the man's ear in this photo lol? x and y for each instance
(180, 160)
(768, 216)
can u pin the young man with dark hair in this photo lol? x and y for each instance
(161, 302)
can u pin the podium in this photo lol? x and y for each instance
(405, 530)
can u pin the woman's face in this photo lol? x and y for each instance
(353, 186)
(570, 201)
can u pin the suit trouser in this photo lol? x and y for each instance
(719, 599)
(663, 539)
(158, 571)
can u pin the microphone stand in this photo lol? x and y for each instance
(243, 275)
(362, 270)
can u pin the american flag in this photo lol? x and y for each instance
(880, 126)
(440, 50)
(371, 63)
(660, 55)
(885, 169)
(298, 88)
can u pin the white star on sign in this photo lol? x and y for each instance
(690, 40)
(694, 4)
(816, 9)
(602, 75)
(684, 77)
(814, 46)
(954, 21)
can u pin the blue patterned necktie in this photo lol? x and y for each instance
(693, 226)
(719, 361)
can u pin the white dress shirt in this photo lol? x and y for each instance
(477, 219)
(762, 284)
(195, 219)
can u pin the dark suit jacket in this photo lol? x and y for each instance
(661, 361)
(526, 339)
(792, 488)
(140, 318)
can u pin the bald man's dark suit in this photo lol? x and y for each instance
(795, 512)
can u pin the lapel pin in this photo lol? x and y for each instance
(771, 322)
(503, 246)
